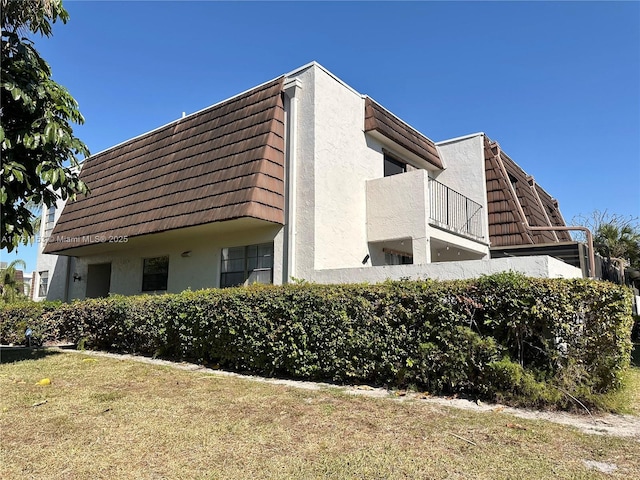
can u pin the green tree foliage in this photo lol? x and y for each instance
(11, 289)
(619, 241)
(39, 149)
(614, 236)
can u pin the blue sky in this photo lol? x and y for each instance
(557, 84)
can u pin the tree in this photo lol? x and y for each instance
(614, 236)
(617, 241)
(11, 289)
(39, 149)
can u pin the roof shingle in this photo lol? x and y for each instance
(516, 202)
(222, 163)
(381, 120)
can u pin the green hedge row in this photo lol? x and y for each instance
(503, 337)
(15, 318)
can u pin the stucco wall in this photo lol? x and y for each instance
(343, 163)
(440, 239)
(397, 206)
(541, 266)
(303, 248)
(335, 161)
(465, 171)
(200, 269)
(340, 173)
(55, 265)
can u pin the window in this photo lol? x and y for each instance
(155, 272)
(43, 286)
(253, 263)
(393, 257)
(393, 166)
(50, 221)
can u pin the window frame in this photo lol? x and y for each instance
(50, 220)
(391, 160)
(247, 259)
(43, 275)
(146, 275)
(403, 258)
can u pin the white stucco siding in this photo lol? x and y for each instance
(559, 269)
(304, 204)
(343, 202)
(53, 264)
(343, 163)
(398, 208)
(464, 171)
(440, 238)
(198, 268)
(56, 268)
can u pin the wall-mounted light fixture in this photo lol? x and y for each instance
(76, 278)
(365, 259)
(186, 254)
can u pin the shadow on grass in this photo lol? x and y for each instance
(18, 354)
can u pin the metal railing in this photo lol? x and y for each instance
(453, 211)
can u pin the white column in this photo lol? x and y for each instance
(291, 89)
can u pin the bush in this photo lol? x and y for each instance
(503, 337)
(15, 318)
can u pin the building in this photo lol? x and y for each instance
(301, 177)
(21, 280)
(51, 279)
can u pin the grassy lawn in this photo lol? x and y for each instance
(106, 418)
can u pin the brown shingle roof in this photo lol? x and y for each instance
(222, 163)
(553, 212)
(515, 202)
(381, 120)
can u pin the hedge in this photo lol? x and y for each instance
(503, 337)
(15, 318)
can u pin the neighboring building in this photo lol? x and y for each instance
(22, 280)
(28, 284)
(301, 177)
(51, 278)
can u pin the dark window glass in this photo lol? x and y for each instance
(393, 166)
(155, 273)
(395, 258)
(252, 262)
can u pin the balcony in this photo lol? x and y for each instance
(452, 211)
(405, 205)
(397, 206)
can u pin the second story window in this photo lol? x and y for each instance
(393, 166)
(43, 286)
(50, 220)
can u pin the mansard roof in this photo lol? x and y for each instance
(222, 163)
(516, 202)
(379, 119)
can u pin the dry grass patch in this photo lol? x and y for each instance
(106, 418)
